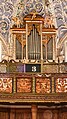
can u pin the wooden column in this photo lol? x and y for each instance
(14, 56)
(54, 47)
(55, 114)
(41, 42)
(12, 114)
(46, 47)
(26, 41)
(22, 45)
(41, 66)
(41, 49)
(34, 111)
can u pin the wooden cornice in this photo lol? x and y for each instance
(17, 29)
(33, 98)
(49, 30)
(33, 17)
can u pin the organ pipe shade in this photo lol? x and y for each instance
(44, 52)
(24, 51)
(18, 50)
(34, 44)
(50, 49)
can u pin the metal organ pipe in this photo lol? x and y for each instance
(34, 44)
(30, 45)
(37, 47)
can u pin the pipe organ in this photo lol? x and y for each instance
(33, 88)
(38, 43)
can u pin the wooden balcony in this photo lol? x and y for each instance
(17, 85)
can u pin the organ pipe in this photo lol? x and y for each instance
(34, 44)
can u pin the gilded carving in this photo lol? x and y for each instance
(61, 85)
(6, 85)
(42, 85)
(24, 85)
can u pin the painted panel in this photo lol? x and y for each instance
(3, 68)
(6, 85)
(61, 85)
(24, 85)
(16, 68)
(50, 68)
(43, 85)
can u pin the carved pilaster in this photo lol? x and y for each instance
(33, 83)
(53, 85)
(14, 85)
(41, 66)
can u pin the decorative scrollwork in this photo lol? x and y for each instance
(4, 24)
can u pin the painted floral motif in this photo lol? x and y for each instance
(24, 85)
(43, 85)
(61, 85)
(6, 10)
(6, 85)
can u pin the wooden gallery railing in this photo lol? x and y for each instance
(18, 85)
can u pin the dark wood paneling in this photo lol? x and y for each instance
(14, 113)
(4, 113)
